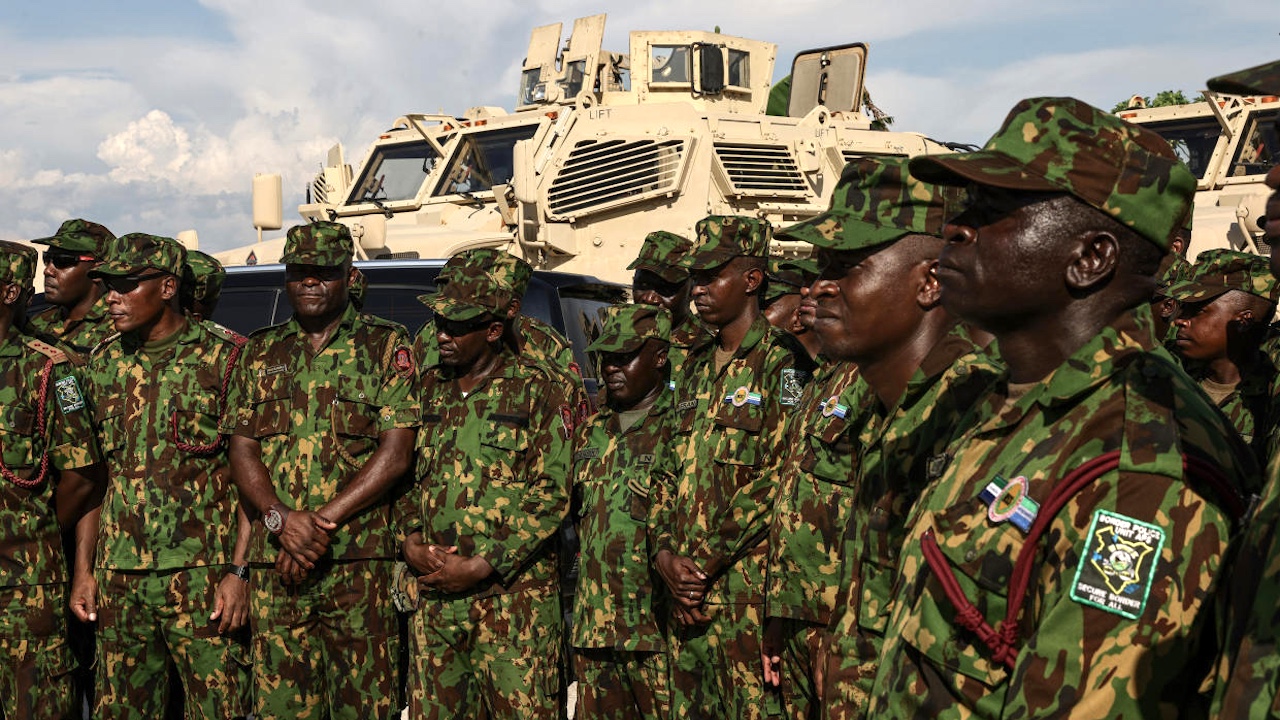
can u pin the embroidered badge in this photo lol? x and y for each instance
(566, 421)
(792, 386)
(831, 406)
(686, 405)
(1007, 500)
(403, 361)
(936, 466)
(742, 396)
(645, 458)
(69, 397)
(587, 454)
(275, 370)
(1118, 564)
(573, 367)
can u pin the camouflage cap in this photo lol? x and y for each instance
(624, 328)
(133, 252)
(321, 243)
(663, 254)
(504, 268)
(1173, 269)
(81, 236)
(202, 276)
(1065, 145)
(722, 238)
(18, 263)
(1258, 80)
(787, 277)
(877, 201)
(469, 293)
(1217, 271)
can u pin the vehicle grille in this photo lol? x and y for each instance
(760, 169)
(604, 174)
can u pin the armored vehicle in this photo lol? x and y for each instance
(1229, 142)
(602, 148)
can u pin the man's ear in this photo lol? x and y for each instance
(1093, 260)
(494, 333)
(168, 288)
(755, 278)
(929, 292)
(12, 293)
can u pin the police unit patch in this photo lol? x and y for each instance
(69, 396)
(1007, 500)
(1118, 564)
(403, 361)
(793, 381)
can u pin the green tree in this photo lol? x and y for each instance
(1162, 99)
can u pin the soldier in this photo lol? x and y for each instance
(711, 512)
(787, 281)
(167, 581)
(493, 489)
(43, 426)
(662, 279)
(322, 420)
(620, 657)
(202, 278)
(877, 305)
(1225, 308)
(1060, 560)
(78, 316)
(1164, 306)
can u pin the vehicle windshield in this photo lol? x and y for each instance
(1193, 140)
(394, 172)
(1259, 148)
(483, 159)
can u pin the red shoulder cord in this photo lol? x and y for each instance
(216, 445)
(42, 422)
(1003, 640)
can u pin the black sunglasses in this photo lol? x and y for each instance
(62, 259)
(125, 284)
(458, 328)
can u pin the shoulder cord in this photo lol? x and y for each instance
(1003, 640)
(216, 445)
(42, 423)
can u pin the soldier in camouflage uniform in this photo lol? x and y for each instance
(493, 489)
(43, 426)
(711, 510)
(167, 579)
(202, 278)
(620, 657)
(877, 305)
(322, 419)
(78, 316)
(662, 279)
(1061, 561)
(1225, 308)
(1163, 305)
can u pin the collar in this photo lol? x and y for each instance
(345, 323)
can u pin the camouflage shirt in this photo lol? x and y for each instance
(493, 468)
(30, 540)
(1248, 407)
(82, 335)
(318, 417)
(815, 496)
(1111, 624)
(612, 471)
(684, 338)
(166, 506)
(715, 499)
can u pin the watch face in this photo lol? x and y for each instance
(273, 520)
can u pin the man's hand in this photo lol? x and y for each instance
(84, 597)
(771, 652)
(231, 604)
(305, 536)
(291, 571)
(456, 573)
(425, 557)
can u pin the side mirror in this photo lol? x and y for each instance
(710, 69)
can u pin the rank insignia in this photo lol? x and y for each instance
(831, 406)
(69, 397)
(1118, 564)
(1007, 500)
(742, 396)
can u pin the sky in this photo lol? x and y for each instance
(154, 115)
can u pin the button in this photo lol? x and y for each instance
(969, 556)
(361, 396)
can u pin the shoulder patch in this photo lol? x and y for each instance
(402, 360)
(1118, 564)
(54, 353)
(793, 382)
(70, 399)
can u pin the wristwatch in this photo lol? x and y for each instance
(240, 571)
(274, 519)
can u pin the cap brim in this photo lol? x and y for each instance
(1259, 80)
(615, 344)
(116, 269)
(708, 261)
(985, 167)
(666, 272)
(453, 309)
(826, 231)
(1186, 291)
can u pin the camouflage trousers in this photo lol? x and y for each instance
(35, 659)
(619, 685)
(326, 648)
(801, 647)
(716, 670)
(495, 657)
(849, 661)
(150, 620)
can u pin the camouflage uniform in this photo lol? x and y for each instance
(1248, 406)
(1110, 619)
(168, 518)
(663, 254)
(84, 334)
(715, 501)
(329, 645)
(493, 469)
(814, 501)
(202, 278)
(620, 658)
(43, 425)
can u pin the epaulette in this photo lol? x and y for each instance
(103, 343)
(378, 321)
(267, 329)
(57, 354)
(223, 332)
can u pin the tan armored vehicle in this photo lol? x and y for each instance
(602, 148)
(1229, 142)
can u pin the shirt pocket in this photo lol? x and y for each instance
(194, 419)
(738, 432)
(830, 456)
(17, 436)
(355, 421)
(503, 448)
(108, 416)
(272, 407)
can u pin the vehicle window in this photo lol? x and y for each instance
(1259, 146)
(740, 68)
(394, 172)
(669, 63)
(582, 325)
(1192, 140)
(247, 309)
(399, 303)
(482, 160)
